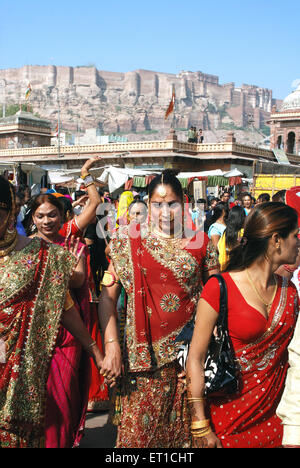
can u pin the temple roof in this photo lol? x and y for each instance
(292, 101)
(25, 118)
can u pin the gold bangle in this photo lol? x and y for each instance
(203, 434)
(85, 175)
(88, 185)
(196, 399)
(200, 424)
(112, 340)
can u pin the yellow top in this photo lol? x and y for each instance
(224, 251)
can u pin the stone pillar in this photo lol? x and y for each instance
(230, 138)
(172, 135)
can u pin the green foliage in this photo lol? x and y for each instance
(12, 109)
(265, 129)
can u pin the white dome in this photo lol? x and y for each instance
(292, 101)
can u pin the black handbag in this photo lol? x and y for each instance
(221, 371)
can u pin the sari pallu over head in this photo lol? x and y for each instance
(248, 419)
(33, 284)
(162, 283)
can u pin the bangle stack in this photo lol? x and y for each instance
(194, 400)
(87, 180)
(200, 428)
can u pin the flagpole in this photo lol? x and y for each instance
(58, 124)
(173, 113)
(171, 108)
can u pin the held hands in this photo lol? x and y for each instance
(208, 441)
(112, 368)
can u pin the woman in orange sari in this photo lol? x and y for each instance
(163, 272)
(262, 309)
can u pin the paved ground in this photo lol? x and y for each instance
(98, 433)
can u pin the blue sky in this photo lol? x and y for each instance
(243, 41)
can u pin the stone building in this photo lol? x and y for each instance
(24, 130)
(285, 124)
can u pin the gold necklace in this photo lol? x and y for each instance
(268, 305)
(167, 237)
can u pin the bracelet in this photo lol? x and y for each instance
(83, 177)
(88, 180)
(204, 433)
(91, 345)
(88, 185)
(200, 424)
(112, 340)
(196, 399)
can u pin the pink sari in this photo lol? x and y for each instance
(68, 381)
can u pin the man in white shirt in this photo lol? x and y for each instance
(289, 407)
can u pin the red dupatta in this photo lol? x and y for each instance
(162, 282)
(248, 419)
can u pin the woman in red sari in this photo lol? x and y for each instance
(262, 308)
(34, 278)
(162, 272)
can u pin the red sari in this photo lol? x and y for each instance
(162, 282)
(33, 284)
(248, 419)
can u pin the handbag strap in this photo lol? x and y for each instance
(222, 319)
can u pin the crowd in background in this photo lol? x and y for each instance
(115, 329)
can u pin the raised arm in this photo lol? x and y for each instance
(88, 214)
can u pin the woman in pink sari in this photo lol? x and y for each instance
(262, 309)
(69, 375)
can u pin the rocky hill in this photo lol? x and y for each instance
(134, 103)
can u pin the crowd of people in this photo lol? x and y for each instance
(194, 136)
(95, 294)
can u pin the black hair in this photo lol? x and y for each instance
(218, 211)
(263, 221)
(136, 202)
(67, 206)
(264, 197)
(279, 196)
(235, 222)
(79, 194)
(62, 190)
(5, 194)
(169, 178)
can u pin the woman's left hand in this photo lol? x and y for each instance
(111, 368)
(71, 244)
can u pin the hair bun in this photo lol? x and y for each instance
(170, 172)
